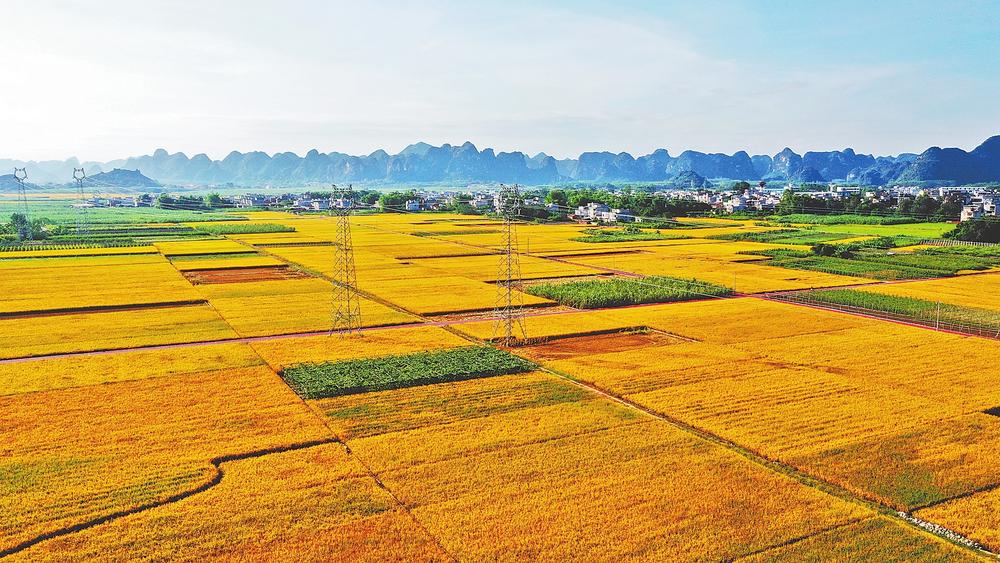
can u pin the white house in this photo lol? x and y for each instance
(592, 211)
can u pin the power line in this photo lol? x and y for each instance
(345, 299)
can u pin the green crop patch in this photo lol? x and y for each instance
(627, 234)
(244, 228)
(909, 307)
(618, 292)
(332, 379)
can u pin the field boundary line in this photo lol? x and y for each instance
(216, 463)
(102, 309)
(802, 538)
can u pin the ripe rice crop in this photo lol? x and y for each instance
(290, 312)
(313, 381)
(617, 292)
(718, 321)
(873, 539)
(606, 494)
(975, 516)
(60, 283)
(181, 248)
(454, 233)
(485, 267)
(145, 440)
(310, 504)
(58, 373)
(82, 332)
(437, 295)
(486, 464)
(743, 277)
(445, 403)
(967, 291)
(218, 262)
(793, 412)
(916, 467)
(316, 349)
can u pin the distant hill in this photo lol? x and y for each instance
(119, 178)
(422, 162)
(9, 184)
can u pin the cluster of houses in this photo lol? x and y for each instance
(144, 200)
(978, 201)
(982, 204)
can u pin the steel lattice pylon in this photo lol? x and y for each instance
(81, 202)
(24, 230)
(508, 311)
(346, 301)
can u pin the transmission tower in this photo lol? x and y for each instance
(81, 202)
(346, 301)
(24, 229)
(508, 311)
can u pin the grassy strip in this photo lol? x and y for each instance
(843, 219)
(931, 261)
(245, 228)
(332, 379)
(856, 268)
(980, 251)
(918, 309)
(784, 236)
(623, 235)
(618, 292)
(42, 245)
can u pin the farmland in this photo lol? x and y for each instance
(195, 397)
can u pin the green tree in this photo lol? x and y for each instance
(788, 203)
(557, 196)
(925, 206)
(395, 201)
(905, 206)
(986, 229)
(213, 200)
(21, 226)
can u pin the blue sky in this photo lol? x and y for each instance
(102, 80)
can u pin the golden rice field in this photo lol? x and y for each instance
(145, 414)
(977, 291)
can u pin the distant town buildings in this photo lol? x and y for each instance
(976, 201)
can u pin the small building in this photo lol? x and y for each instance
(413, 205)
(592, 211)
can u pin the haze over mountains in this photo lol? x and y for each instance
(422, 162)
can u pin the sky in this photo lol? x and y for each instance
(108, 79)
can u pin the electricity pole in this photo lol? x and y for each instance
(346, 301)
(508, 312)
(24, 229)
(81, 202)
